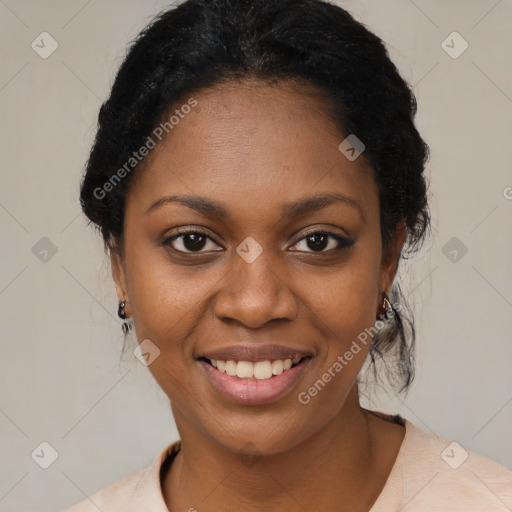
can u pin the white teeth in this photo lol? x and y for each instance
(277, 367)
(231, 368)
(244, 369)
(261, 370)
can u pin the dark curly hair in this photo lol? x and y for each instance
(203, 43)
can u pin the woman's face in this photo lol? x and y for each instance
(249, 161)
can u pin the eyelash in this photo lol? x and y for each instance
(343, 242)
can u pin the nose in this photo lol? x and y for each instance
(253, 294)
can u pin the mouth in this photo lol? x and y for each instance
(254, 370)
(254, 382)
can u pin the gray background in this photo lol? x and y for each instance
(61, 376)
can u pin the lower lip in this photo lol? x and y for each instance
(254, 392)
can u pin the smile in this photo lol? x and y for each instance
(261, 370)
(252, 383)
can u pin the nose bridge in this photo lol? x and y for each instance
(253, 293)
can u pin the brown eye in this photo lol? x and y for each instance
(319, 241)
(190, 241)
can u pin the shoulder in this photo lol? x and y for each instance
(118, 495)
(132, 492)
(439, 472)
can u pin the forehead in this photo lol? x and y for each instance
(253, 144)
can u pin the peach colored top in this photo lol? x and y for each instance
(430, 474)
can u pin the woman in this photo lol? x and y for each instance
(256, 177)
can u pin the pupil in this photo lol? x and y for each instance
(319, 241)
(197, 242)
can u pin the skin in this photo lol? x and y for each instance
(253, 147)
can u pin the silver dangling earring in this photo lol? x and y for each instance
(390, 312)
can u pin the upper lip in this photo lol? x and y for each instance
(256, 353)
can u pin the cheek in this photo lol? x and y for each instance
(346, 321)
(342, 306)
(343, 301)
(345, 316)
(166, 298)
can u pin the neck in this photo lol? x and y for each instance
(206, 475)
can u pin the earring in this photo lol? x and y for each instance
(127, 326)
(388, 308)
(121, 313)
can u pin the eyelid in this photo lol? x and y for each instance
(320, 229)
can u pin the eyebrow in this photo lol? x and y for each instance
(216, 209)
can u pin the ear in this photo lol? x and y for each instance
(390, 260)
(119, 275)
